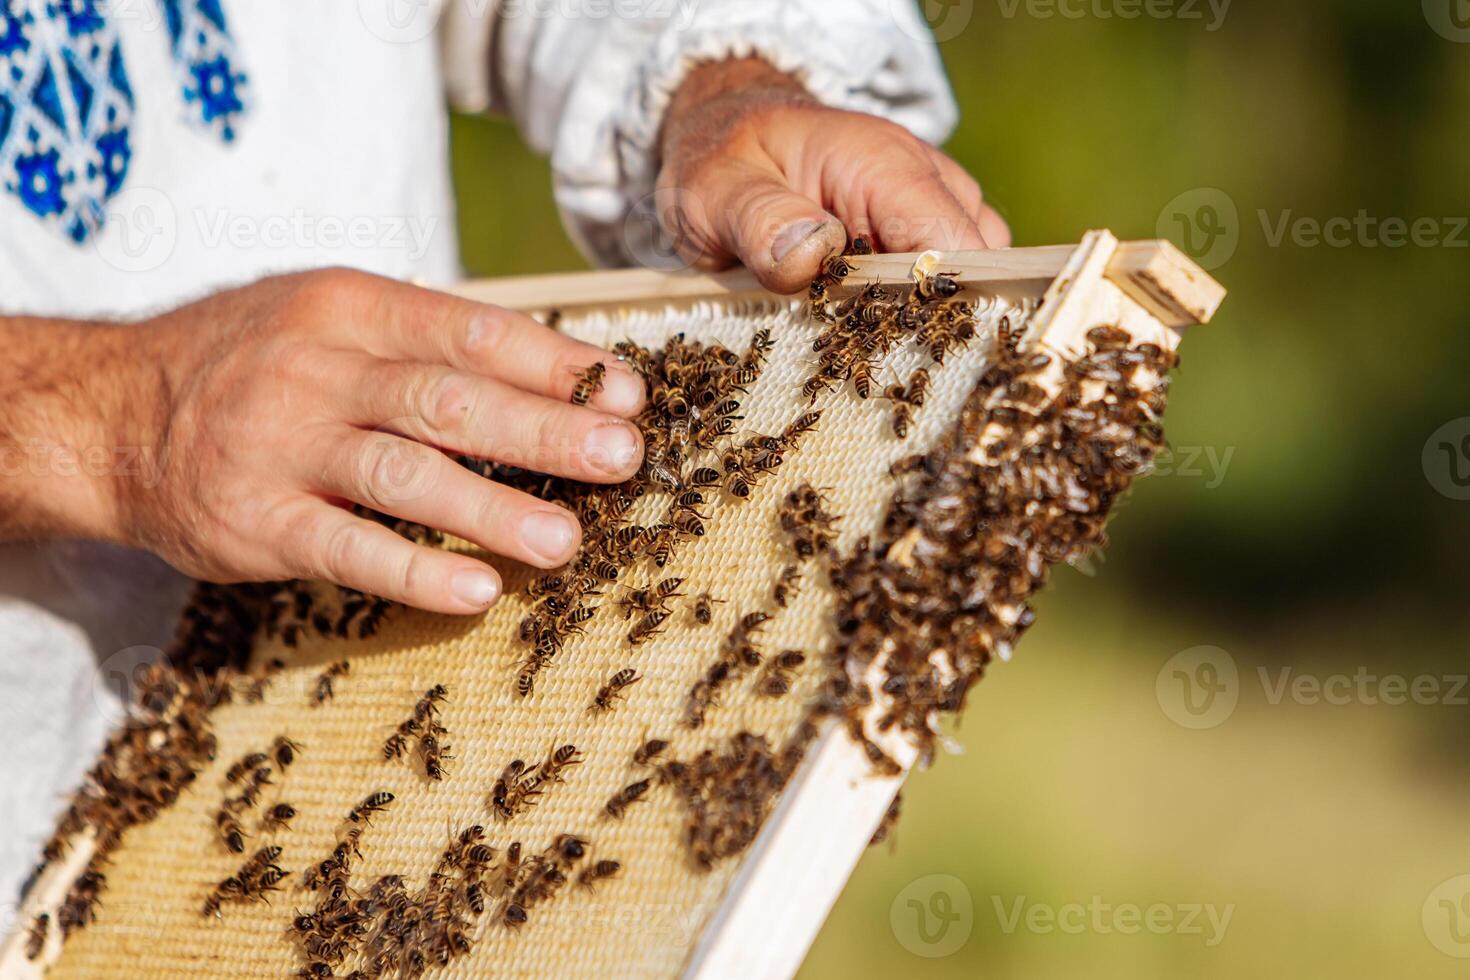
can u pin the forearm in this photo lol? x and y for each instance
(70, 399)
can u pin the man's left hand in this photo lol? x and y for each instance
(755, 170)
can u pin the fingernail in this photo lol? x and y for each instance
(549, 535)
(793, 235)
(622, 391)
(611, 448)
(475, 587)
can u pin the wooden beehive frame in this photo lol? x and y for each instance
(793, 874)
(808, 848)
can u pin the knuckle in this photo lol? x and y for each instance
(391, 471)
(415, 573)
(341, 549)
(444, 402)
(484, 332)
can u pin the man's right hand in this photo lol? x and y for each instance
(272, 406)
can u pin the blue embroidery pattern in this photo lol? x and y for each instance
(205, 55)
(66, 105)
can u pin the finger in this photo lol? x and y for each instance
(753, 214)
(465, 413)
(964, 187)
(995, 229)
(397, 321)
(967, 191)
(915, 211)
(333, 545)
(403, 478)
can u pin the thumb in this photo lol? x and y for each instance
(779, 235)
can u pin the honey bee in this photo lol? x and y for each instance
(433, 754)
(474, 897)
(1109, 337)
(647, 628)
(704, 612)
(918, 388)
(612, 691)
(564, 756)
(246, 764)
(626, 797)
(36, 935)
(814, 386)
(600, 871)
(514, 916)
(860, 245)
(941, 286)
(569, 847)
(800, 426)
(776, 680)
(324, 683)
(589, 383)
(862, 378)
(786, 585)
(230, 830)
(284, 751)
(603, 569)
(394, 747)
(649, 751)
(374, 803)
(705, 476)
(902, 418)
(429, 703)
(279, 817)
(740, 485)
(753, 621)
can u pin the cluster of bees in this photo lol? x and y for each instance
(520, 786)
(1026, 479)
(808, 523)
(251, 773)
(728, 794)
(861, 331)
(693, 408)
(143, 768)
(257, 878)
(389, 930)
(425, 732)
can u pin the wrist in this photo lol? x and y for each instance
(717, 93)
(74, 437)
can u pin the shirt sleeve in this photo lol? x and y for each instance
(587, 82)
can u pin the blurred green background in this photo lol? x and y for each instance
(1296, 529)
